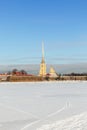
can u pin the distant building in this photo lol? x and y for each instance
(43, 64)
(53, 73)
(42, 72)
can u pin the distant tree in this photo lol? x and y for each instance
(59, 77)
(14, 71)
(47, 78)
(23, 72)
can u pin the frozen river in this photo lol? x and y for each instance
(43, 106)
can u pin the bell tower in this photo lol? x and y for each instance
(43, 64)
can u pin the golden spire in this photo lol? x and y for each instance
(43, 60)
(42, 65)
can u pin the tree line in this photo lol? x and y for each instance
(75, 74)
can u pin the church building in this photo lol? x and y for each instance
(43, 64)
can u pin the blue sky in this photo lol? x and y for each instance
(61, 24)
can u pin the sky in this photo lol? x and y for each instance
(60, 24)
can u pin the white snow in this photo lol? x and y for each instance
(43, 106)
(78, 122)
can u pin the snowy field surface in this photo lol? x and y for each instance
(43, 106)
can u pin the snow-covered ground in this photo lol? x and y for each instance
(43, 106)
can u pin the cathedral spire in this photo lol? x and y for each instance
(42, 65)
(43, 59)
(43, 49)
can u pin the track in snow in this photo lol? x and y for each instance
(67, 105)
(77, 122)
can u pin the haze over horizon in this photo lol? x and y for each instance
(62, 25)
(34, 68)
